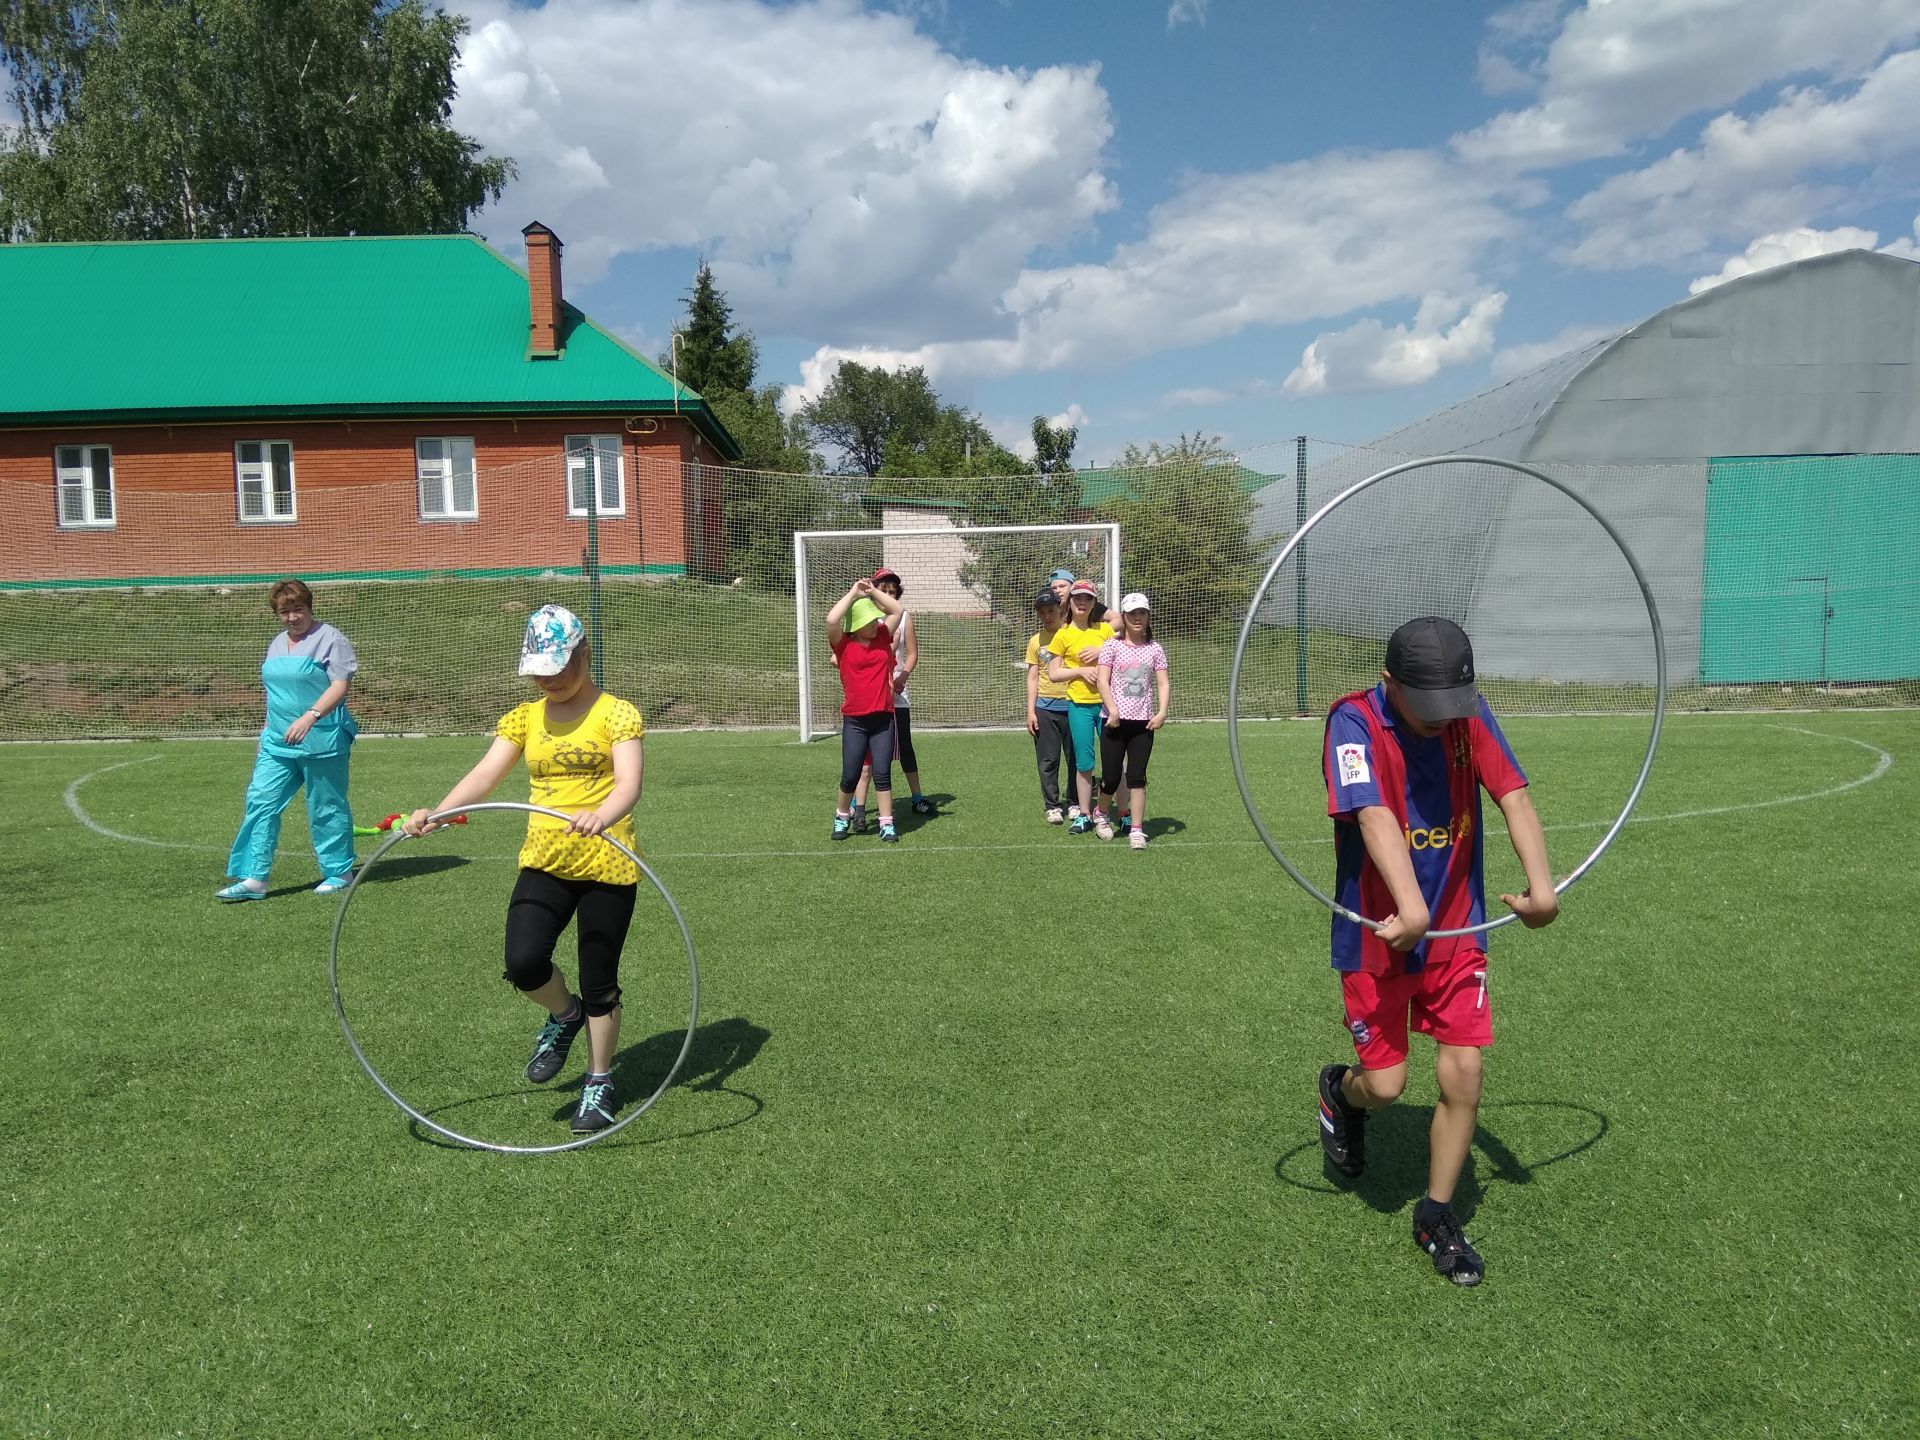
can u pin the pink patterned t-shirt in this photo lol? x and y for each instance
(1130, 676)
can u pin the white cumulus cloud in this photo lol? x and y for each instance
(1370, 356)
(1301, 241)
(1772, 172)
(1619, 70)
(1187, 12)
(841, 171)
(1783, 248)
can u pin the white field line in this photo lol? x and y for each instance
(1883, 762)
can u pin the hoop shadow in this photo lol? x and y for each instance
(720, 1049)
(1396, 1172)
(1159, 825)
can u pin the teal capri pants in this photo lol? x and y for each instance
(1084, 721)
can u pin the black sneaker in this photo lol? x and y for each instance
(551, 1045)
(922, 805)
(888, 834)
(859, 823)
(597, 1104)
(842, 826)
(1439, 1234)
(1343, 1127)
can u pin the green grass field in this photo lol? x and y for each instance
(957, 1153)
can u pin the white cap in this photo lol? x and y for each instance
(1134, 600)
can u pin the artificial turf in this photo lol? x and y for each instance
(993, 1132)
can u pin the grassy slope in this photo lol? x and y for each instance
(945, 1164)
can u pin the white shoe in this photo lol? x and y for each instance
(1138, 839)
(334, 884)
(1102, 827)
(1055, 816)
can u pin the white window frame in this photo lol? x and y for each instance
(81, 480)
(438, 478)
(581, 451)
(260, 473)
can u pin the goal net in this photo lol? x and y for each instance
(970, 591)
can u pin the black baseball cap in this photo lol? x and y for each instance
(1433, 660)
(1046, 597)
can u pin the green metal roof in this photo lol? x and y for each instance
(1097, 487)
(206, 329)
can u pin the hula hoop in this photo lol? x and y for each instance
(1253, 610)
(340, 1009)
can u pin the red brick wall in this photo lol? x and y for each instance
(356, 499)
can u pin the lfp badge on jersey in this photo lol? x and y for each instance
(1351, 761)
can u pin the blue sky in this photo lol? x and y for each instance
(1253, 218)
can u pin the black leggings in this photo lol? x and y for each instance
(866, 738)
(541, 906)
(1129, 740)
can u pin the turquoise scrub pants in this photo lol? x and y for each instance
(275, 779)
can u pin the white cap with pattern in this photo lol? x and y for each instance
(553, 634)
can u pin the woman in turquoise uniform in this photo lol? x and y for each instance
(308, 671)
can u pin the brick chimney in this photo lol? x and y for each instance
(543, 291)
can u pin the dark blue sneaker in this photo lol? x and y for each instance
(888, 835)
(859, 824)
(842, 826)
(551, 1045)
(1439, 1234)
(597, 1104)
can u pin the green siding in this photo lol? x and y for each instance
(1811, 570)
(374, 325)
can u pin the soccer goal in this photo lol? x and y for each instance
(970, 591)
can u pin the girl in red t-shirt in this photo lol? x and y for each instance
(862, 647)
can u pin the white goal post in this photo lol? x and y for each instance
(970, 589)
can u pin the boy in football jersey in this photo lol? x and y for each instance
(1405, 763)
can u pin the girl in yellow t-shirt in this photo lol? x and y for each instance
(1074, 661)
(582, 748)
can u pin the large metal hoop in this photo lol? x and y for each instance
(340, 1009)
(1253, 610)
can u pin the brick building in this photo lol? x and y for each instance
(334, 408)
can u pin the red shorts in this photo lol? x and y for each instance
(1448, 1000)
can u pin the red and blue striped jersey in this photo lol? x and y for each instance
(1432, 786)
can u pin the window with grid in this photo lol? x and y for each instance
(83, 486)
(263, 474)
(595, 460)
(444, 465)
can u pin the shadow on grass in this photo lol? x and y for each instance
(904, 818)
(1396, 1172)
(720, 1049)
(407, 867)
(1159, 825)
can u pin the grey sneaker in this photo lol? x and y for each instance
(597, 1104)
(551, 1045)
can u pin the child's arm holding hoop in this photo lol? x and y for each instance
(1537, 905)
(1387, 848)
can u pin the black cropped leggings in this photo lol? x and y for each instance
(866, 738)
(541, 906)
(1131, 742)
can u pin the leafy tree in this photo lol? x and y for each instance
(180, 119)
(1185, 522)
(712, 358)
(1053, 448)
(866, 407)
